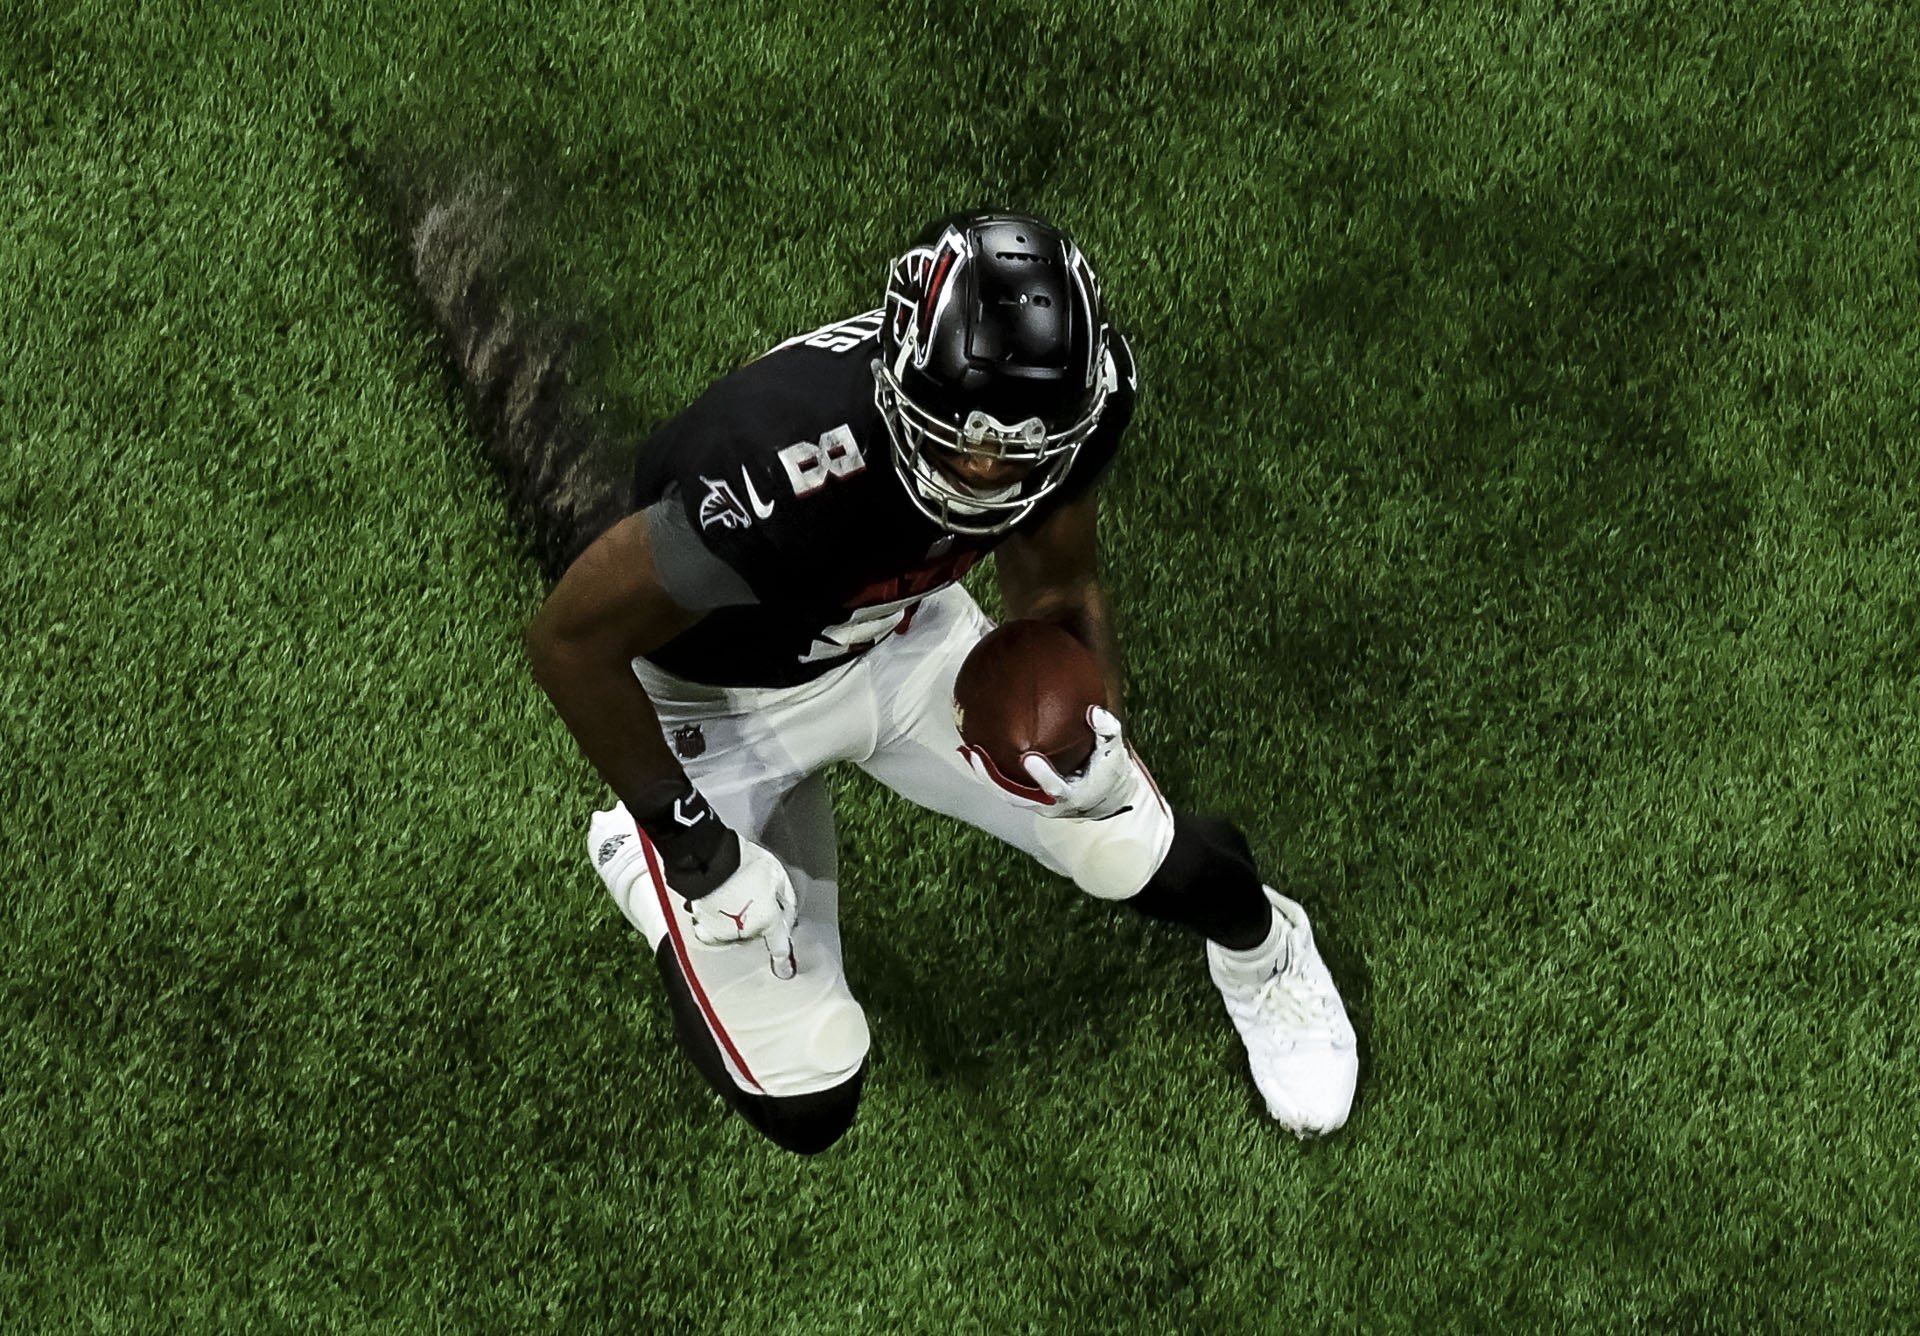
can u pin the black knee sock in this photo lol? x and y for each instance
(1208, 882)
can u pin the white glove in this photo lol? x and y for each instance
(1136, 825)
(757, 901)
(1111, 782)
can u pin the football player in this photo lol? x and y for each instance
(774, 588)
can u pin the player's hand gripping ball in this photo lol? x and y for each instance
(1027, 690)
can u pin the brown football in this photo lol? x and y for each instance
(1026, 687)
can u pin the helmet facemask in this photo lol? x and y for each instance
(919, 435)
(993, 347)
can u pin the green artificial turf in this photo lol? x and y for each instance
(1517, 539)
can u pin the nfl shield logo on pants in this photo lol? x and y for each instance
(689, 741)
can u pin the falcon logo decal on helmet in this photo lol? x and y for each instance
(994, 346)
(918, 287)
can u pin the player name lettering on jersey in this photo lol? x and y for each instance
(842, 336)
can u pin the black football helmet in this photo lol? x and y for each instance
(994, 344)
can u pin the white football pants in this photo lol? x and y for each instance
(757, 756)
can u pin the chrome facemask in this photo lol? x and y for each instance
(964, 510)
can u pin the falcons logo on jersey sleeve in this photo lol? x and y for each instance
(721, 506)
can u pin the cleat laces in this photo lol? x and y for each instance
(1291, 998)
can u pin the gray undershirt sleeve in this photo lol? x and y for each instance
(692, 576)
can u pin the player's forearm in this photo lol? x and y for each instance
(611, 718)
(1083, 613)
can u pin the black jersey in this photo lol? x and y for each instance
(778, 509)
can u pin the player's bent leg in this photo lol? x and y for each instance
(1208, 882)
(805, 1124)
(788, 1054)
(1278, 993)
(1261, 955)
(1190, 870)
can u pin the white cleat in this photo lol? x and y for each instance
(1299, 1041)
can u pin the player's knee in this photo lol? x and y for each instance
(807, 1124)
(834, 1040)
(1123, 853)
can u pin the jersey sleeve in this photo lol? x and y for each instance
(713, 492)
(694, 576)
